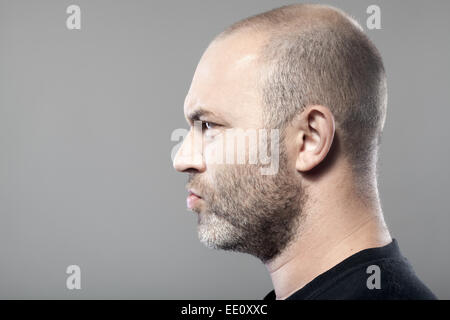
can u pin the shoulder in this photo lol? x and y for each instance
(382, 279)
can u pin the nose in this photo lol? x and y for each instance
(190, 155)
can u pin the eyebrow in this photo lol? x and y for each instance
(198, 114)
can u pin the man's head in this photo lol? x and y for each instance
(306, 70)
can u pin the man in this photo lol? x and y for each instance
(310, 72)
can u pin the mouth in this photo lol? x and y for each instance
(192, 199)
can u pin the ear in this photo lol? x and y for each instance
(315, 137)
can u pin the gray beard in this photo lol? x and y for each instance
(251, 213)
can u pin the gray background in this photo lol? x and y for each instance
(85, 171)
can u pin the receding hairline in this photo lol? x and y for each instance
(298, 17)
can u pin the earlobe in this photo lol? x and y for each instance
(316, 137)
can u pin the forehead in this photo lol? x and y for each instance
(226, 82)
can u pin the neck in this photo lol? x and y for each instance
(333, 230)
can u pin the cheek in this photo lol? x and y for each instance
(231, 150)
(215, 175)
(213, 152)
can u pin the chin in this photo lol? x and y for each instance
(215, 233)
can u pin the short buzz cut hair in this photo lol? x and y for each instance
(318, 55)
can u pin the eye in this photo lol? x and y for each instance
(208, 125)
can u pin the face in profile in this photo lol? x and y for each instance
(238, 207)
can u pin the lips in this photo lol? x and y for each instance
(192, 199)
(191, 191)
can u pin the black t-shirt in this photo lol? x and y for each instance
(376, 273)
